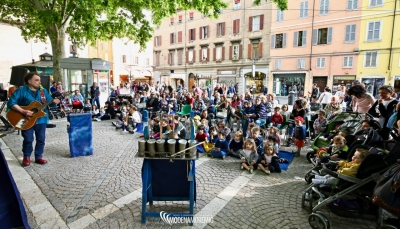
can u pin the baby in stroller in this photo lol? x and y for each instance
(344, 167)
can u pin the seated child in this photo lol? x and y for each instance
(337, 150)
(237, 117)
(285, 111)
(269, 161)
(101, 114)
(156, 128)
(236, 144)
(248, 110)
(165, 128)
(221, 146)
(204, 122)
(95, 112)
(277, 118)
(87, 107)
(255, 134)
(213, 134)
(273, 131)
(248, 155)
(320, 123)
(271, 140)
(299, 134)
(345, 167)
(251, 126)
(201, 136)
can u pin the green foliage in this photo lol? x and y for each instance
(281, 4)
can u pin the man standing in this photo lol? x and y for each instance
(53, 88)
(95, 94)
(340, 94)
(32, 91)
(315, 91)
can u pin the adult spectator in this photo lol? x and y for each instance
(348, 101)
(109, 111)
(315, 91)
(361, 100)
(298, 110)
(77, 100)
(260, 112)
(152, 103)
(209, 94)
(236, 102)
(340, 95)
(325, 97)
(236, 87)
(265, 90)
(334, 107)
(53, 88)
(248, 97)
(95, 94)
(231, 91)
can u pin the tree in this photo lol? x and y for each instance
(89, 20)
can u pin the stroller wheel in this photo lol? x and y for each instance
(318, 221)
(308, 177)
(310, 155)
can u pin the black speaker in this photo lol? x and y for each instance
(17, 76)
(3, 95)
(45, 81)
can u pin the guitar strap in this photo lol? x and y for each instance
(42, 96)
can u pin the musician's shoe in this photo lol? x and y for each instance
(41, 161)
(26, 162)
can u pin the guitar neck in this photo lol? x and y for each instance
(44, 105)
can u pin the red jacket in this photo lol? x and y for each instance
(277, 118)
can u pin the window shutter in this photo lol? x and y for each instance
(215, 54)
(284, 41)
(353, 33)
(273, 41)
(377, 30)
(180, 37)
(261, 21)
(280, 15)
(154, 40)
(190, 34)
(373, 59)
(223, 53)
(249, 51)
(238, 25)
(318, 62)
(250, 24)
(298, 63)
(240, 51)
(260, 48)
(305, 12)
(326, 7)
(201, 33)
(367, 59)
(169, 59)
(223, 28)
(295, 39)
(302, 9)
(277, 14)
(208, 54)
(347, 36)
(304, 41)
(194, 55)
(315, 37)
(321, 6)
(170, 38)
(230, 52)
(370, 31)
(355, 4)
(323, 62)
(234, 27)
(160, 40)
(349, 4)
(350, 62)
(218, 29)
(194, 34)
(207, 31)
(330, 31)
(187, 56)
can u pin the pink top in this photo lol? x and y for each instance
(235, 104)
(362, 105)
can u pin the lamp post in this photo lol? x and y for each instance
(255, 55)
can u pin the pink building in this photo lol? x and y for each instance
(314, 41)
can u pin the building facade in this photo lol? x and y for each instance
(191, 49)
(379, 45)
(314, 41)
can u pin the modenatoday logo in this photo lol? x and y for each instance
(175, 219)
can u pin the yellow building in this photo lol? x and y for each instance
(379, 45)
(103, 50)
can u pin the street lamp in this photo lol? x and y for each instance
(254, 56)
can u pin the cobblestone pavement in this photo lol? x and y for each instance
(104, 190)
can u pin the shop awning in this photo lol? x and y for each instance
(295, 72)
(177, 76)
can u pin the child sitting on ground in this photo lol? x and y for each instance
(236, 144)
(271, 140)
(249, 128)
(320, 123)
(285, 111)
(101, 114)
(255, 135)
(213, 134)
(165, 128)
(201, 136)
(221, 146)
(299, 134)
(95, 112)
(248, 111)
(345, 167)
(237, 118)
(248, 155)
(277, 118)
(156, 128)
(269, 161)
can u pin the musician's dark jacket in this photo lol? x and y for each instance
(23, 96)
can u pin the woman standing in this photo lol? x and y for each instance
(361, 101)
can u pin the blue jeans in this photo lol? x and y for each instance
(40, 134)
(97, 100)
(218, 154)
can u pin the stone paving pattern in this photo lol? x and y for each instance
(78, 186)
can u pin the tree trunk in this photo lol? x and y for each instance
(57, 36)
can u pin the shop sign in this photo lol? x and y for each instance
(344, 77)
(205, 76)
(100, 70)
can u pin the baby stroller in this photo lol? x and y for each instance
(55, 110)
(354, 190)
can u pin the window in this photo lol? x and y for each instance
(192, 34)
(236, 5)
(256, 23)
(136, 60)
(204, 54)
(203, 32)
(352, 4)
(235, 52)
(191, 16)
(190, 55)
(157, 41)
(180, 37)
(347, 62)
(172, 38)
(300, 38)
(278, 41)
(157, 57)
(278, 64)
(147, 62)
(171, 21)
(180, 54)
(171, 58)
(105, 45)
(220, 29)
(320, 62)
(180, 19)
(371, 59)
(324, 7)
(301, 63)
(236, 26)
(374, 31)
(254, 52)
(279, 15)
(124, 59)
(350, 33)
(322, 36)
(218, 53)
(304, 9)
(375, 3)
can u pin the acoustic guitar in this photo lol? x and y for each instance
(22, 122)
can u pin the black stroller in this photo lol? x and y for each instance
(55, 110)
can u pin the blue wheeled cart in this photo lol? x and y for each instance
(166, 180)
(80, 134)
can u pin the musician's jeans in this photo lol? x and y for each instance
(27, 146)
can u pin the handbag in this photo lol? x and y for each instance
(222, 114)
(386, 192)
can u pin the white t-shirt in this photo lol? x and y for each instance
(338, 94)
(136, 116)
(325, 97)
(247, 152)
